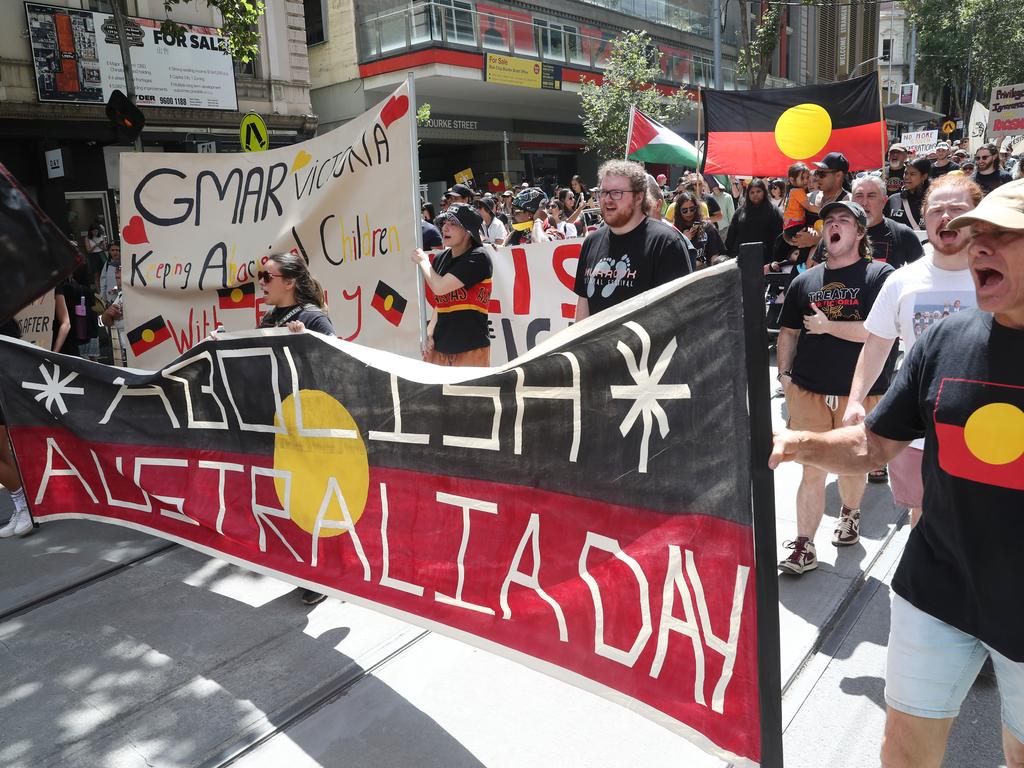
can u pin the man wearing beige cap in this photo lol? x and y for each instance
(894, 171)
(957, 589)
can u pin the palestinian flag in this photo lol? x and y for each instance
(651, 142)
(237, 297)
(148, 335)
(388, 302)
(762, 133)
(979, 427)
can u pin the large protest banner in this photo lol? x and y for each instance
(566, 510)
(532, 295)
(196, 229)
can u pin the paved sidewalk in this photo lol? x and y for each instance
(121, 650)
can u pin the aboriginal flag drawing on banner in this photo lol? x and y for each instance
(762, 133)
(237, 297)
(566, 510)
(979, 429)
(148, 335)
(388, 302)
(35, 254)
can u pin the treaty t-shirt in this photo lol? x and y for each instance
(894, 243)
(916, 298)
(462, 314)
(824, 363)
(962, 389)
(613, 268)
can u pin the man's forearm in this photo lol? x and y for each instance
(869, 365)
(785, 350)
(850, 330)
(845, 451)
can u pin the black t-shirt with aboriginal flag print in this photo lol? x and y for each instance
(825, 363)
(462, 314)
(962, 389)
(613, 268)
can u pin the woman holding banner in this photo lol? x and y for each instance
(298, 301)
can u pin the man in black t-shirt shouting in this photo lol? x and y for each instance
(632, 253)
(958, 585)
(820, 337)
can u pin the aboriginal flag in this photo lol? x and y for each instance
(237, 296)
(762, 133)
(148, 335)
(388, 302)
(979, 427)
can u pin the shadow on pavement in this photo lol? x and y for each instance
(152, 666)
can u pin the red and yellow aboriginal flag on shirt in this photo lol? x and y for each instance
(762, 133)
(567, 510)
(979, 428)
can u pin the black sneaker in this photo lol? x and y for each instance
(309, 597)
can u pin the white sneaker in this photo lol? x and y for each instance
(20, 524)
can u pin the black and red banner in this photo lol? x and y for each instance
(763, 132)
(35, 254)
(566, 510)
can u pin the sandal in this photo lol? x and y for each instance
(879, 475)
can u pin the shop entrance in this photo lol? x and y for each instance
(547, 168)
(86, 209)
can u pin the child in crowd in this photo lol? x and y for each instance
(797, 204)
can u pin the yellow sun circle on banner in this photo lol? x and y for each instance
(389, 302)
(148, 335)
(312, 461)
(236, 295)
(803, 130)
(995, 433)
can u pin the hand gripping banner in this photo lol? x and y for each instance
(584, 509)
(197, 228)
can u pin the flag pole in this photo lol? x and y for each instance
(701, 153)
(629, 131)
(421, 297)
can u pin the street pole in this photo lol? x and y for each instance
(504, 157)
(913, 53)
(716, 40)
(126, 60)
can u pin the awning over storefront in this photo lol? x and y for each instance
(909, 113)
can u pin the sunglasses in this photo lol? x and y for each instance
(265, 277)
(687, 210)
(982, 157)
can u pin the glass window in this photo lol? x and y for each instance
(455, 17)
(421, 24)
(315, 31)
(887, 48)
(392, 31)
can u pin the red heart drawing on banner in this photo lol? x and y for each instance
(394, 109)
(135, 232)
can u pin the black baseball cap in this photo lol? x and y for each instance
(467, 217)
(848, 205)
(487, 201)
(834, 161)
(460, 190)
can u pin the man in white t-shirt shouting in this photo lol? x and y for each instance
(913, 299)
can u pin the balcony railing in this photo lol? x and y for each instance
(455, 24)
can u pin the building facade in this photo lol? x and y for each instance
(59, 60)
(502, 78)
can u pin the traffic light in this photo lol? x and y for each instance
(122, 113)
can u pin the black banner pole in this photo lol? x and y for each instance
(763, 494)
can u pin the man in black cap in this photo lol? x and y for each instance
(820, 337)
(459, 193)
(830, 175)
(459, 283)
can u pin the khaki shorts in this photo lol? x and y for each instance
(476, 358)
(819, 413)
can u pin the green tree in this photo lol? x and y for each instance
(970, 46)
(239, 24)
(755, 55)
(628, 81)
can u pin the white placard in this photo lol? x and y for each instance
(54, 163)
(1006, 111)
(75, 63)
(920, 142)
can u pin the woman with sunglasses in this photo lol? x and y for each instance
(689, 220)
(298, 301)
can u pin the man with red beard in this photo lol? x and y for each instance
(632, 253)
(957, 587)
(940, 282)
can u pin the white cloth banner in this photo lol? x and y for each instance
(196, 228)
(531, 295)
(978, 125)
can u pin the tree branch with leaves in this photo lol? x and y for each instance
(628, 81)
(239, 27)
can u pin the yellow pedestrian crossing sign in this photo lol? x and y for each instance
(948, 127)
(253, 133)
